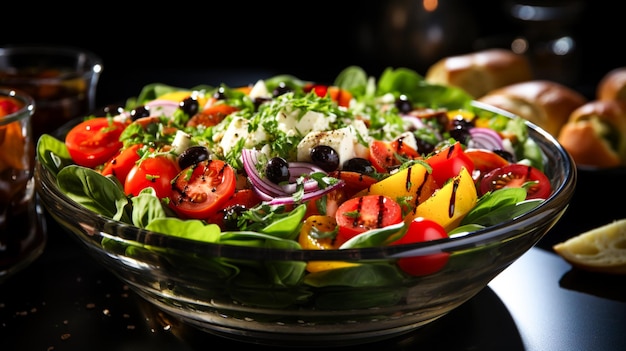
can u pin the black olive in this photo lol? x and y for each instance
(193, 155)
(505, 154)
(277, 170)
(325, 157)
(220, 94)
(231, 216)
(109, 110)
(424, 147)
(281, 89)
(403, 104)
(139, 112)
(190, 106)
(359, 165)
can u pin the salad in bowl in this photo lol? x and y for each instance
(286, 208)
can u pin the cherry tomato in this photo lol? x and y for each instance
(515, 175)
(201, 190)
(122, 163)
(157, 172)
(484, 161)
(447, 163)
(363, 213)
(420, 230)
(94, 141)
(383, 154)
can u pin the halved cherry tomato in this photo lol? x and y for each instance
(484, 161)
(447, 163)
(200, 190)
(122, 163)
(94, 141)
(156, 171)
(363, 213)
(383, 154)
(515, 175)
(420, 230)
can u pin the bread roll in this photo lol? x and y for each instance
(481, 71)
(595, 134)
(545, 103)
(613, 85)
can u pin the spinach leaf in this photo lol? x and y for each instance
(192, 229)
(95, 192)
(52, 153)
(146, 208)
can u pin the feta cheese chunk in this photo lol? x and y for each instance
(345, 141)
(237, 130)
(291, 123)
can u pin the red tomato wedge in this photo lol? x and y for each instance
(420, 230)
(515, 175)
(363, 213)
(199, 191)
(122, 163)
(94, 141)
(384, 154)
(447, 163)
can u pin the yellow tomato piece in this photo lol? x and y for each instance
(448, 205)
(181, 95)
(414, 182)
(309, 241)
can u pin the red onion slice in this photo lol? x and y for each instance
(485, 138)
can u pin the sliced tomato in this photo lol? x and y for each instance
(156, 172)
(485, 161)
(384, 155)
(420, 230)
(363, 213)
(515, 175)
(94, 141)
(121, 164)
(199, 191)
(448, 162)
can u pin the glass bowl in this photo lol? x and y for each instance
(241, 292)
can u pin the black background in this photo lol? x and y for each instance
(312, 40)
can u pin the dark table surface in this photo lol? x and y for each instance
(65, 300)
